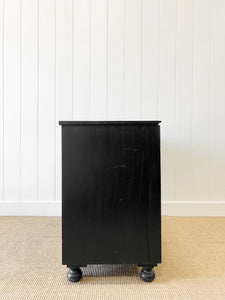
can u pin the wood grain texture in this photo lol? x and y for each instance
(111, 200)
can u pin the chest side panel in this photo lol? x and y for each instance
(111, 194)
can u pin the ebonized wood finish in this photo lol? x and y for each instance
(111, 195)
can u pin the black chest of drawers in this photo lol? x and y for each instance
(111, 195)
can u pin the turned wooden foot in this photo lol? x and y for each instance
(147, 274)
(74, 274)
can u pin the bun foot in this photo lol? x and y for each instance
(74, 274)
(147, 274)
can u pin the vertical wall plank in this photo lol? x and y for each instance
(12, 100)
(150, 59)
(98, 84)
(46, 104)
(184, 100)
(81, 67)
(217, 140)
(167, 101)
(64, 78)
(133, 34)
(115, 59)
(1, 100)
(64, 59)
(200, 155)
(29, 26)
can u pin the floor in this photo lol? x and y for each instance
(193, 266)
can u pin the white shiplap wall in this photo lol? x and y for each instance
(112, 60)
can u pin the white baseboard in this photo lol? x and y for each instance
(168, 209)
(210, 209)
(30, 209)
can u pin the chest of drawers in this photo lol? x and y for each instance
(111, 199)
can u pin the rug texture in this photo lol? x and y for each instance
(193, 263)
